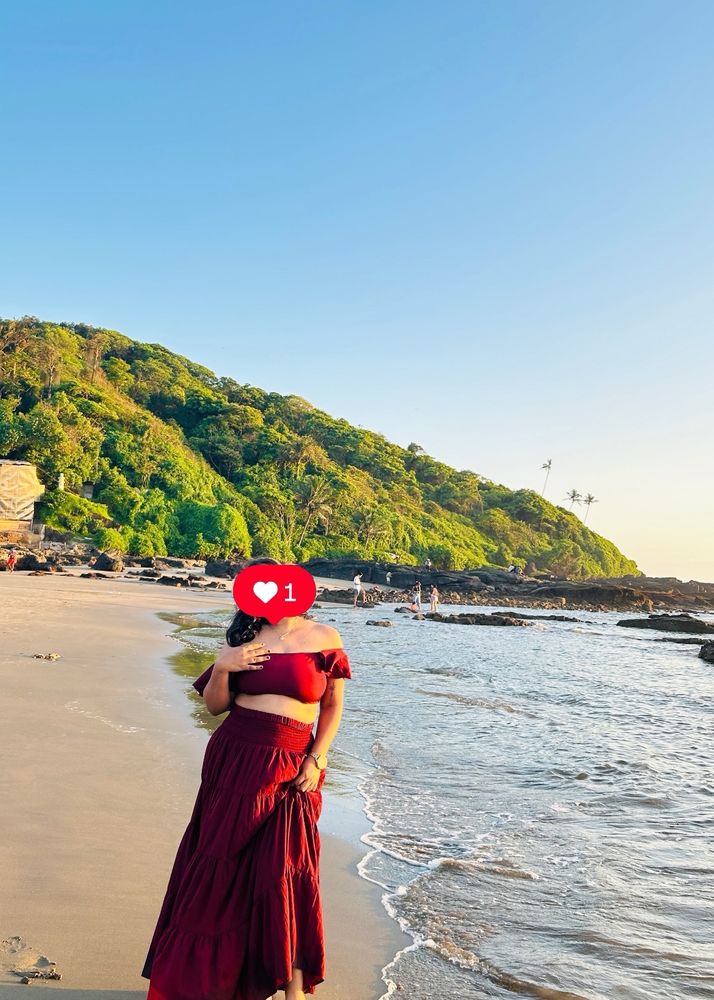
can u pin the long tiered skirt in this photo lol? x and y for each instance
(242, 906)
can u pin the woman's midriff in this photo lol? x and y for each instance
(279, 704)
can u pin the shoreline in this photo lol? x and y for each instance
(103, 767)
(394, 581)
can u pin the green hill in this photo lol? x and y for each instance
(188, 463)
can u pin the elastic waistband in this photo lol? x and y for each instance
(252, 726)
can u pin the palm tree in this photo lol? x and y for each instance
(547, 466)
(589, 499)
(574, 497)
(371, 525)
(316, 504)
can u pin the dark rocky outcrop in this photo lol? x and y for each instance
(381, 623)
(371, 599)
(670, 623)
(173, 581)
(224, 568)
(493, 586)
(176, 563)
(400, 577)
(679, 639)
(541, 618)
(31, 561)
(593, 595)
(108, 562)
(197, 582)
(707, 652)
(476, 619)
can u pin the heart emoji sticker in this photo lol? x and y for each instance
(274, 591)
(265, 590)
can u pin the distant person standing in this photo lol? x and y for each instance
(416, 597)
(428, 563)
(358, 589)
(433, 599)
(388, 578)
(11, 560)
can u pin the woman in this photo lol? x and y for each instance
(416, 598)
(242, 915)
(434, 599)
(357, 588)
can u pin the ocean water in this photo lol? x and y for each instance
(541, 803)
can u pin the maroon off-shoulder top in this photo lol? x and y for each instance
(297, 675)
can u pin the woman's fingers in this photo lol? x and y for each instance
(256, 662)
(252, 656)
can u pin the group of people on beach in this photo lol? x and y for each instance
(416, 599)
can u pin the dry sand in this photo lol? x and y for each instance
(100, 768)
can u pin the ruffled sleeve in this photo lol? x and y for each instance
(205, 677)
(201, 681)
(335, 663)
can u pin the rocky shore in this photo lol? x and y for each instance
(491, 586)
(385, 582)
(165, 570)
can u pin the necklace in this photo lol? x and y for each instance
(284, 633)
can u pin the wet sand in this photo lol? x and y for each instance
(100, 768)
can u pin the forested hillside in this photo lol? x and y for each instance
(185, 462)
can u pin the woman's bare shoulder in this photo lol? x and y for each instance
(325, 636)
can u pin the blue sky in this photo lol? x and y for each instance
(483, 227)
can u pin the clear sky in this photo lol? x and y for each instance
(482, 226)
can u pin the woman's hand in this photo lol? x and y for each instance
(248, 656)
(308, 777)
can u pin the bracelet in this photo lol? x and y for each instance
(317, 762)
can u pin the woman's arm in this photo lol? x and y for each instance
(217, 693)
(328, 722)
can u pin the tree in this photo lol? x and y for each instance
(588, 501)
(547, 466)
(146, 457)
(301, 452)
(15, 337)
(574, 497)
(119, 373)
(371, 525)
(316, 505)
(95, 347)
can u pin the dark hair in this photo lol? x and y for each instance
(244, 627)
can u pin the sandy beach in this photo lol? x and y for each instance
(101, 765)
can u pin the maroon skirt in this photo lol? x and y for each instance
(242, 906)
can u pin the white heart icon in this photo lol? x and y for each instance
(265, 591)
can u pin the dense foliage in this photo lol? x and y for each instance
(185, 462)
